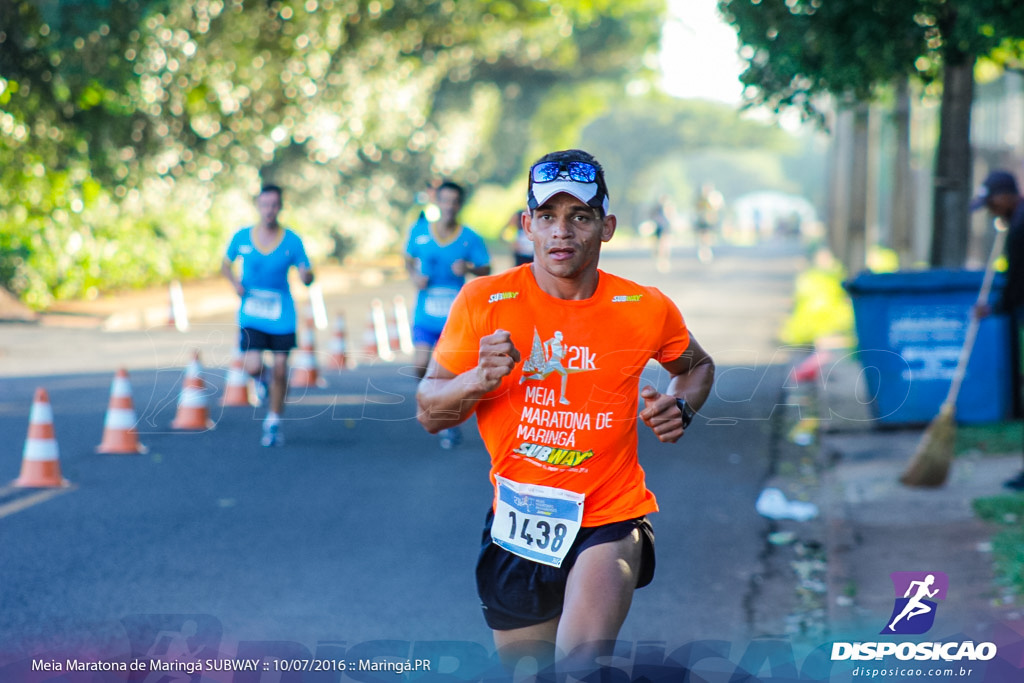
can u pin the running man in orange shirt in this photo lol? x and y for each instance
(566, 540)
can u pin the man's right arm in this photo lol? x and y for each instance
(445, 399)
(412, 267)
(227, 269)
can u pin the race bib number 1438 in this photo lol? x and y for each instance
(539, 523)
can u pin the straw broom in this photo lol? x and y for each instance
(929, 465)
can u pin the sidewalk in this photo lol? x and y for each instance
(873, 525)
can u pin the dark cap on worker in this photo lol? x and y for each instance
(996, 183)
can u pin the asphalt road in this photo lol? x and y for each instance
(361, 528)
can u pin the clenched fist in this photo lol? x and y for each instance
(498, 357)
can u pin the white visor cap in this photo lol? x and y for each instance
(585, 192)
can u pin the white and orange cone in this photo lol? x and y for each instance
(304, 372)
(236, 390)
(339, 343)
(369, 337)
(40, 463)
(120, 437)
(193, 412)
(394, 342)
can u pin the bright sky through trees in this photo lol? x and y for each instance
(698, 57)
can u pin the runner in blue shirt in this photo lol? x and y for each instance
(438, 256)
(267, 314)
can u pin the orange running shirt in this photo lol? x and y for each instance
(584, 440)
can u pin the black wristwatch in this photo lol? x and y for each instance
(686, 410)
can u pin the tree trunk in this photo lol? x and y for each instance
(839, 153)
(953, 166)
(902, 195)
(855, 256)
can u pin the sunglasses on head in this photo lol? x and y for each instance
(577, 171)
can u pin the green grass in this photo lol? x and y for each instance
(1008, 544)
(1006, 510)
(1008, 551)
(995, 438)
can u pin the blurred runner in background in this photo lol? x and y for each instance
(438, 257)
(267, 312)
(706, 217)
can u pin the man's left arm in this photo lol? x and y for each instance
(479, 262)
(302, 264)
(693, 374)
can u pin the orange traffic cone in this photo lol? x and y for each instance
(369, 337)
(120, 437)
(40, 464)
(236, 390)
(193, 412)
(394, 342)
(339, 346)
(304, 371)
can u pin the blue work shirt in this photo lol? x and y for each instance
(267, 305)
(434, 302)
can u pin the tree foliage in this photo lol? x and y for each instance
(797, 50)
(132, 132)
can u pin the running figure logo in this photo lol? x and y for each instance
(545, 359)
(914, 612)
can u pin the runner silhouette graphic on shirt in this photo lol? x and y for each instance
(545, 359)
(915, 606)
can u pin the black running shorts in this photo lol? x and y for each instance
(257, 340)
(516, 592)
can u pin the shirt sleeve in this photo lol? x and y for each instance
(458, 349)
(675, 337)
(479, 255)
(236, 241)
(411, 248)
(299, 257)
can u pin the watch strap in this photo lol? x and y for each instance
(686, 412)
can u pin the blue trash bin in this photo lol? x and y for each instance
(910, 329)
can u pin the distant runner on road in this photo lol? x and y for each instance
(438, 257)
(267, 313)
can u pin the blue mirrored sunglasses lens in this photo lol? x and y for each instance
(546, 172)
(581, 172)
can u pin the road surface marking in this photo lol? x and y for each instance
(22, 503)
